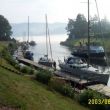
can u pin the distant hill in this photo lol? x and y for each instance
(20, 29)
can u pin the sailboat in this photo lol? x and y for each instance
(28, 54)
(96, 51)
(76, 67)
(46, 60)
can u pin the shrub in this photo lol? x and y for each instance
(17, 66)
(56, 84)
(44, 76)
(12, 47)
(89, 94)
(61, 86)
(6, 55)
(24, 69)
(68, 90)
(31, 71)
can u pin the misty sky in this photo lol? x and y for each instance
(17, 11)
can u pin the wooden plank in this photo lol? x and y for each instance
(35, 64)
(70, 77)
(101, 88)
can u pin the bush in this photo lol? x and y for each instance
(44, 76)
(89, 94)
(12, 47)
(24, 69)
(17, 66)
(61, 86)
(68, 90)
(31, 71)
(56, 84)
(6, 55)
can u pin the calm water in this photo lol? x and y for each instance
(59, 52)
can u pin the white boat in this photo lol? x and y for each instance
(75, 66)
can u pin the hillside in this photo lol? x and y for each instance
(26, 94)
(20, 29)
(20, 92)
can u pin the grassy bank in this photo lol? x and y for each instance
(23, 93)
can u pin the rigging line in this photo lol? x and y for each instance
(88, 35)
(46, 36)
(101, 32)
(49, 42)
(28, 30)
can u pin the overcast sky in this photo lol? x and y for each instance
(17, 11)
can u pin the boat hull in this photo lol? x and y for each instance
(92, 55)
(85, 74)
(95, 58)
(28, 55)
(49, 64)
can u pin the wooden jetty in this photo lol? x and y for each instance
(34, 64)
(75, 81)
(101, 88)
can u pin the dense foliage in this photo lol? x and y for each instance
(44, 76)
(5, 29)
(89, 95)
(78, 28)
(61, 86)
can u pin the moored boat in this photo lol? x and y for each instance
(28, 55)
(75, 66)
(46, 60)
(96, 51)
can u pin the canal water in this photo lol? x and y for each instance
(59, 52)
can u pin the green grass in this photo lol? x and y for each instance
(27, 94)
(4, 44)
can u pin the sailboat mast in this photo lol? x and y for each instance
(88, 34)
(49, 41)
(28, 29)
(46, 36)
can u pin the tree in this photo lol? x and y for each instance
(77, 27)
(70, 28)
(5, 29)
(80, 29)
